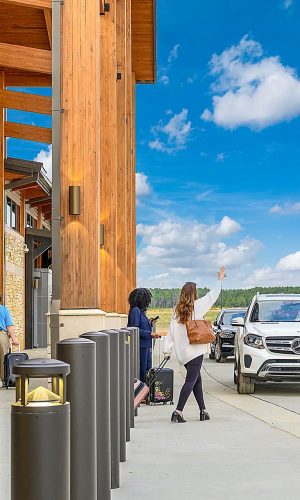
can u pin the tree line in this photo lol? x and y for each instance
(167, 297)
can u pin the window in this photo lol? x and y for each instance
(30, 221)
(12, 214)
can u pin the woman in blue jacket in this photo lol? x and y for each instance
(139, 301)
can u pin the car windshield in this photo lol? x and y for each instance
(279, 311)
(229, 316)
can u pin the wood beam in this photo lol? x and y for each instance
(40, 203)
(48, 20)
(39, 225)
(27, 79)
(25, 102)
(25, 58)
(102, 7)
(80, 161)
(108, 156)
(36, 4)
(2, 193)
(22, 215)
(28, 132)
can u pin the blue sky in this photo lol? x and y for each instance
(217, 145)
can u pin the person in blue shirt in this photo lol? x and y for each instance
(139, 301)
(6, 333)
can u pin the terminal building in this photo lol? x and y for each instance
(68, 245)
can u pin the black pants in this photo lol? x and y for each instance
(193, 382)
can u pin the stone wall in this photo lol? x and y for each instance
(15, 280)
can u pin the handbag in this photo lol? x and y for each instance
(199, 331)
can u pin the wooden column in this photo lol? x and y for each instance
(130, 208)
(2, 193)
(122, 221)
(133, 181)
(80, 161)
(108, 157)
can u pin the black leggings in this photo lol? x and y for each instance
(193, 382)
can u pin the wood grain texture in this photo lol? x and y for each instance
(26, 79)
(80, 161)
(108, 157)
(48, 20)
(38, 4)
(28, 132)
(133, 180)
(143, 40)
(2, 192)
(24, 27)
(121, 293)
(25, 102)
(129, 212)
(25, 58)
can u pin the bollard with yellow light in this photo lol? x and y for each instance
(40, 433)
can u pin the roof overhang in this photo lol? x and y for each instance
(144, 40)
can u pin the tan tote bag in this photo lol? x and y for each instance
(200, 331)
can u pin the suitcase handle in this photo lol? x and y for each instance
(158, 370)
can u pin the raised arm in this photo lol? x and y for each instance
(203, 305)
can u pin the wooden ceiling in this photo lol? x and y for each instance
(144, 40)
(25, 41)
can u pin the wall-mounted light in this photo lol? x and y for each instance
(101, 235)
(74, 200)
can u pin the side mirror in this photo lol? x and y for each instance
(215, 323)
(238, 321)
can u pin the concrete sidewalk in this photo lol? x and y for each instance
(233, 456)
(249, 449)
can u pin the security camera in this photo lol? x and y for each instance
(25, 248)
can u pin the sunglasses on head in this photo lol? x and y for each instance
(190, 283)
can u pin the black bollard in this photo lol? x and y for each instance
(102, 341)
(128, 391)
(40, 433)
(80, 354)
(114, 407)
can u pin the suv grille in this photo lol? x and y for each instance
(281, 345)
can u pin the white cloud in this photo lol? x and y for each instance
(45, 157)
(164, 79)
(285, 272)
(286, 209)
(251, 89)
(173, 135)
(290, 262)
(173, 54)
(287, 4)
(187, 249)
(143, 187)
(220, 157)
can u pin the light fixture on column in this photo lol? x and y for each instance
(74, 200)
(101, 235)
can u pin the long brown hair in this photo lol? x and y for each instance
(185, 306)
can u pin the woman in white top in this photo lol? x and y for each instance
(190, 355)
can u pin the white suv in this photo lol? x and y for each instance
(267, 345)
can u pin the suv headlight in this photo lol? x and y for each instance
(226, 335)
(254, 341)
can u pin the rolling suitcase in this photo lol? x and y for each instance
(161, 384)
(11, 359)
(142, 390)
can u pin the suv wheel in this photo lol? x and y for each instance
(245, 385)
(218, 354)
(235, 377)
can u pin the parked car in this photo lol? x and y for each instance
(267, 346)
(225, 333)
